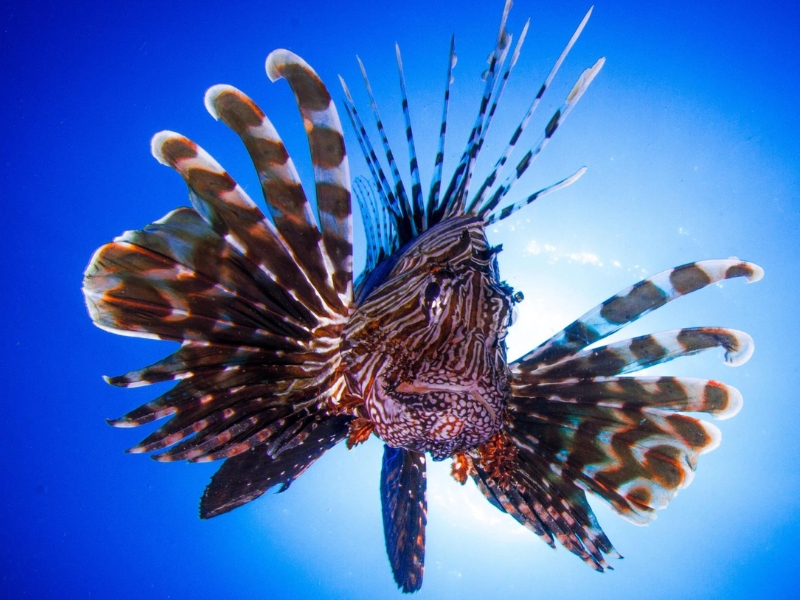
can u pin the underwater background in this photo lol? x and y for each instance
(691, 136)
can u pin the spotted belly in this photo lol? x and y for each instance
(436, 417)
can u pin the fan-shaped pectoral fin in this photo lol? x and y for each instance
(331, 167)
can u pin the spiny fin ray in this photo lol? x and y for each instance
(404, 507)
(329, 158)
(491, 178)
(633, 303)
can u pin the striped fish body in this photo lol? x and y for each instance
(284, 354)
(426, 345)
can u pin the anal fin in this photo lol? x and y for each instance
(404, 507)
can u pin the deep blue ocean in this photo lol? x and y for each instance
(691, 136)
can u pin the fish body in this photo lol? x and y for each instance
(427, 343)
(284, 354)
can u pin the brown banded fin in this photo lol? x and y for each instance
(405, 514)
(280, 183)
(259, 315)
(644, 351)
(329, 157)
(633, 303)
(247, 476)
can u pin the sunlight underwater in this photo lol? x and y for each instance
(284, 354)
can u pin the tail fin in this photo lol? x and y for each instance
(258, 307)
(575, 425)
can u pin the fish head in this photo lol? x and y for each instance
(427, 343)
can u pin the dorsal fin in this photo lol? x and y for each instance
(492, 177)
(409, 217)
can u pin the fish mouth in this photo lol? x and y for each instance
(422, 387)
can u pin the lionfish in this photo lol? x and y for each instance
(283, 355)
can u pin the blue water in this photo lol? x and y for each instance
(690, 134)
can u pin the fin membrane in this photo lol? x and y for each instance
(404, 506)
(258, 305)
(576, 424)
(247, 476)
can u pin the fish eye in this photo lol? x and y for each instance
(432, 291)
